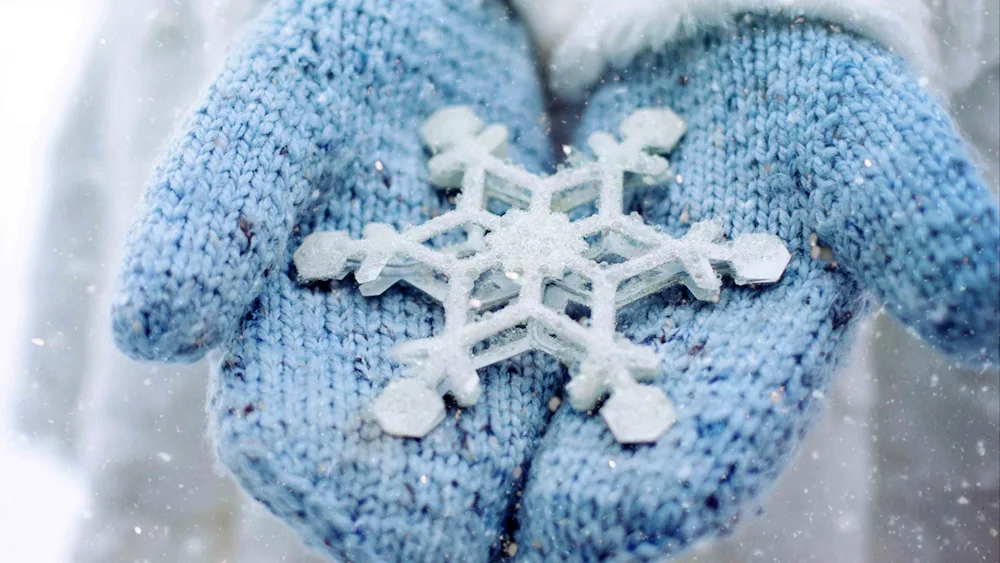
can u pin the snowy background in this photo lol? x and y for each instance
(41, 47)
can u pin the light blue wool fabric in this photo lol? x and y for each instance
(784, 120)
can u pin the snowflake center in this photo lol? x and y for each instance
(534, 244)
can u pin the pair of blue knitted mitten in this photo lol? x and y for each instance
(794, 128)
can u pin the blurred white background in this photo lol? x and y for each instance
(41, 47)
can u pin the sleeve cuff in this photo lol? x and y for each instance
(610, 33)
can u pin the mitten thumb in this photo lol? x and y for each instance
(902, 206)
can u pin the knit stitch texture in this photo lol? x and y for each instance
(794, 129)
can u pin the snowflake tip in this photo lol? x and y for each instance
(656, 129)
(449, 127)
(408, 408)
(638, 414)
(447, 167)
(758, 258)
(322, 256)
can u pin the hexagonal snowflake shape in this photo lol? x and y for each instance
(530, 265)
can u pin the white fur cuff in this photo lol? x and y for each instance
(611, 32)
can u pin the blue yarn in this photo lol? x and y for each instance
(783, 118)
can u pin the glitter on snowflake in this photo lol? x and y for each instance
(550, 274)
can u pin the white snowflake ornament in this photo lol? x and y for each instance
(545, 275)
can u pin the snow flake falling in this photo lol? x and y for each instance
(549, 274)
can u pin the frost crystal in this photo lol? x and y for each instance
(550, 274)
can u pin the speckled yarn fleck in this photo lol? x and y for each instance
(784, 120)
(793, 128)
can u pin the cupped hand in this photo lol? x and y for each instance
(313, 125)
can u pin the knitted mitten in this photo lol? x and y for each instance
(826, 140)
(314, 125)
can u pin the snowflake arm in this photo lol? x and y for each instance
(506, 289)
